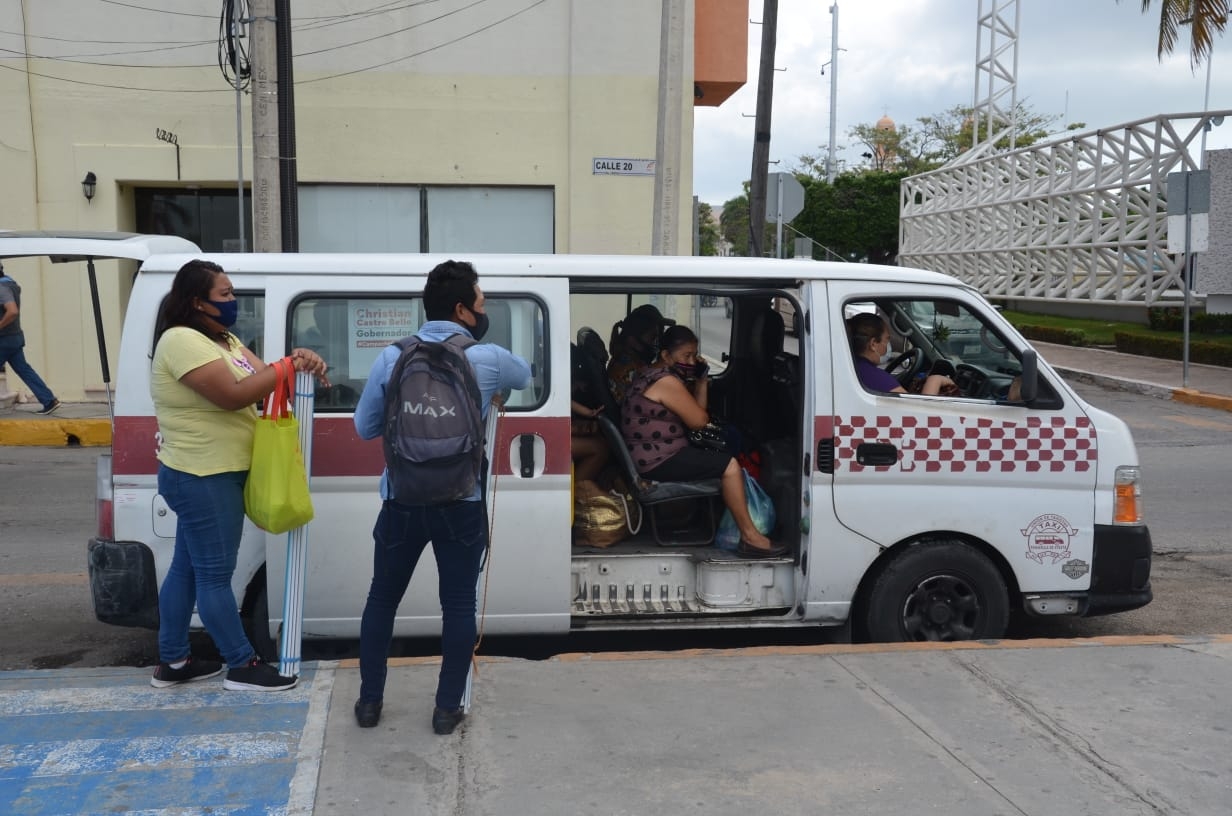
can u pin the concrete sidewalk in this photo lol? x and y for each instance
(86, 423)
(1114, 725)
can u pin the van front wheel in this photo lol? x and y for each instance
(940, 590)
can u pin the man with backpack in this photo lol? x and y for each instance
(427, 396)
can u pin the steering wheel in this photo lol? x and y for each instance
(910, 361)
(972, 381)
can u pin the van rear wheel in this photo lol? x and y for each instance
(938, 590)
(256, 626)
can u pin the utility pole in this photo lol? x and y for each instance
(267, 214)
(759, 179)
(288, 174)
(665, 236)
(830, 163)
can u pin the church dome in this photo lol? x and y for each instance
(885, 123)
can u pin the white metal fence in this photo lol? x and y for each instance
(1080, 218)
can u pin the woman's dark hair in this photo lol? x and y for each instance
(863, 329)
(675, 337)
(449, 284)
(192, 283)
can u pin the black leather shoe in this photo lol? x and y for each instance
(445, 721)
(367, 714)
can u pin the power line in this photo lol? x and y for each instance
(233, 58)
(160, 11)
(226, 58)
(103, 42)
(426, 50)
(115, 87)
(395, 31)
(77, 58)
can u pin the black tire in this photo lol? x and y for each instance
(938, 590)
(256, 626)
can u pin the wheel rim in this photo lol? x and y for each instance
(942, 607)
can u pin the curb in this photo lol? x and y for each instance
(56, 432)
(1192, 396)
(1189, 396)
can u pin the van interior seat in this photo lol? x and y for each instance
(652, 495)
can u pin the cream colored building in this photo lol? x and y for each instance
(453, 126)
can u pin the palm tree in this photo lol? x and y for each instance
(1206, 18)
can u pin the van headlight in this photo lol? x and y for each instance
(1127, 500)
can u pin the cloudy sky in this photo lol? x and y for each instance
(1089, 61)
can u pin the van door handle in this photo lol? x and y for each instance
(526, 455)
(876, 454)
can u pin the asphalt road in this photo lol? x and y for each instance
(47, 513)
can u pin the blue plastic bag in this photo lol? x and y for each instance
(761, 510)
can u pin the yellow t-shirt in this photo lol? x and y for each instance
(198, 437)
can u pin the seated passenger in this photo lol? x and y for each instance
(633, 346)
(588, 448)
(870, 344)
(660, 409)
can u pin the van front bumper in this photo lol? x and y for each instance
(1121, 572)
(123, 583)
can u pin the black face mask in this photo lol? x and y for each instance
(481, 325)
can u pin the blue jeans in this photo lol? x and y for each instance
(209, 522)
(13, 355)
(459, 535)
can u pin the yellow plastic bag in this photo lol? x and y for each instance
(276, 495)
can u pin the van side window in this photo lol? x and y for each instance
(943, 337)
(350, 333)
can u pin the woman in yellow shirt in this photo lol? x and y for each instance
(205, 384)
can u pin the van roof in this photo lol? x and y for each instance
(573, 266)
(77, 246)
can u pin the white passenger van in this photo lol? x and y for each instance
(911, 517)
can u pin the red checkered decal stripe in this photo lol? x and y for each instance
(1048, 444)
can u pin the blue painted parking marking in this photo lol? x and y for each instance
(104, 741)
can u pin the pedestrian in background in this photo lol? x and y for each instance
(458, 530)
(13, 343)
(205, 384)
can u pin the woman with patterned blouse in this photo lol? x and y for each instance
(664, 402)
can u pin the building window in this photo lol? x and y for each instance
(206, 217)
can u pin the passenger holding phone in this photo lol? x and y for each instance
(667, 400)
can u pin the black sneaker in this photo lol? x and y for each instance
(49, 409)
(257, 676)
(445, 721)
(367, 715)
(190, 672)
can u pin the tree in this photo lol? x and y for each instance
(856, 216)
(938, 139)
(734, 224)
(707, 229)
(1205, 19)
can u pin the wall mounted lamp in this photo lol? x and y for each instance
(88, 185)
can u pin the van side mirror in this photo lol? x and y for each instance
(1029, 386)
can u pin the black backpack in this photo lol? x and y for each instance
(433, 436)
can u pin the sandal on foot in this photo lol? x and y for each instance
(747, 550)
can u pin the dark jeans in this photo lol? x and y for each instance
(12, 353)
(459, 534)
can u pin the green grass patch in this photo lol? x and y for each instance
(1093, 332)
(1213, 348)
